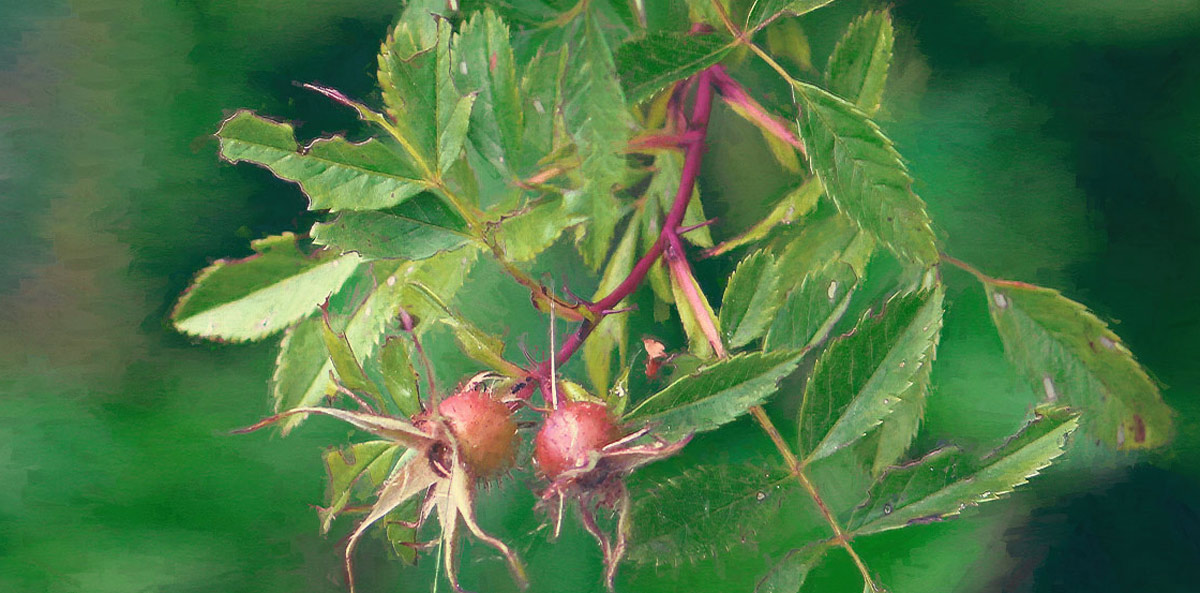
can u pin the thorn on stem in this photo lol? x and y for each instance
(687, 229)
(607, 312)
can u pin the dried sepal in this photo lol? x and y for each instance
(468, 437)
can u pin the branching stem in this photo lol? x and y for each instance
(669, 244)
(698, 130)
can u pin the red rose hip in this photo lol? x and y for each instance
(484, 429)
(571, 433)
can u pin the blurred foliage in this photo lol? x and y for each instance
(1053, 141)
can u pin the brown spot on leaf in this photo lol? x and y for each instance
(492, 63)
(1139, 429)
(924, 520)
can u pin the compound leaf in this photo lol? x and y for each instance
(481, 346)
(809, 311)
(453, 133)
(825, 264)
(345, 363)
(396, 375)
(788, 575)
(899, 428)
(796, 203)
(535, 228)
(415, 65)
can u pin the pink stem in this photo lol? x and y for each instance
(735, 94)
(698, 125)
(682, 271)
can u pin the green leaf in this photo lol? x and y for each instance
(368, 462)
(481, 346)
(346, 364)
(788, 575)
(302, 370)
(763, 12)
(860, 378)
(665, 184)
(542, 94)
(417, 229)
(858, 66)
(334, 173)
(649, 64)
(826, 260)
(698, 341)
(716, 394)
(415, 66)
(1073, 358)
(613, 330)
(826, 235)
(863, 174)
(498, 119)
(795, 204)
(900, 427)
(397, 375)
(600, 123)
(751, 299)
(401, 536)
(786, 39)
(536, 227)
(408, 77)
(709, 509)
(251, 298)
(945, 482)
(454, 132)
(810, 310)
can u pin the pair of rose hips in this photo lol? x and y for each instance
(580, 450)
(487, 434)
(471, 437)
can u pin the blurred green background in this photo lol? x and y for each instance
(1055, 141)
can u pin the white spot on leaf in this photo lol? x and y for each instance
(1000, 300)
(1048, 387)
(832, 292)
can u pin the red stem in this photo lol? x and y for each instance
(735, 94)
(698, 126)
(682, 271)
